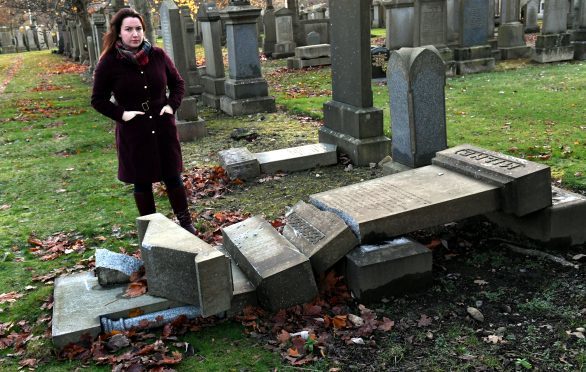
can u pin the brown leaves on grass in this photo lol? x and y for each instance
(138, 284)
(36, 109)
(9, 297)
(64, 68)
(81, 265)
(203, 183)
(14, 68)
(210, 224)
(55, 246)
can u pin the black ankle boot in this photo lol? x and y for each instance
(145, 202)
(178, 200)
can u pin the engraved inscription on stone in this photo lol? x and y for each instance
(489, 159)
(431, 27)
(307, 230)
(475, 20)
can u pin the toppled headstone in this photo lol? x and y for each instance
(526, 186)
(391, 268)
(561, 224)
(184, 268)
(115, 268)
(244, 293)
(79, 302)
(322, 236)
(297, 158)
(239, 163)
(408, 201)
(282, 275)
(310, 55)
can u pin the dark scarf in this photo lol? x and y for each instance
(140, 57)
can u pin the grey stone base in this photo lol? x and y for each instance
(393, 268)
(556, 54)
(561, 225)
(393, 167)
(236, 107)
(297, 63)
(451, 69)
(214, 86)
(474, 66)
(283, 50)
(362, 152)
(354, 121)
(522, 51)
(579, 50)
(187, 111)
(246, 88)
(511, 35)
(474, 52)
(191, 130)
(211, 100)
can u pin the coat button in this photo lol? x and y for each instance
(150, 116)
(145, 87)
(142, 72)
(153, 132)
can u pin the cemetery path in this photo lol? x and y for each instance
(8, 74)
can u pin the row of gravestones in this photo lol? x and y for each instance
(27, 38)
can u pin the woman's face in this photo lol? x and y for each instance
(131, 32)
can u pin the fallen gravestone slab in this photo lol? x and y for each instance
(282, 275)
(525, 185)
(408, 201)
(392, 268)
(322, 236)
(244, 293)
(115, 268)
(79, 302)
(184, 268)
(297, 158)
(239, 163)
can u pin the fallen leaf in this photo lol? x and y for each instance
(283, 337)
(339, 321)
(480, 282)
(424, 321)
(386, 325)
(136, 289)
(4, 207)
(475, 314)
(9, 297)
(293, 352)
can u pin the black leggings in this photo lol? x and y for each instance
(171, 183)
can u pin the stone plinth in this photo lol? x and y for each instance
(282, 275)
(299, 158)
(511, 42)
(322, 236)
(388, 269)
(239, 163)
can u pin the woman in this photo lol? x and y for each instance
(137, 75)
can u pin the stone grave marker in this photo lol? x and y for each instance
(115, 268)
(555, 16)
(297, 158)
(321, 236)
(431, 28)
(244, 293)
(239, 163)
(351, 121)
(182, 267)
(473, 53)
(416, 81)
(214, 77)
(531, 16)
(311, 55)
(270, 31)
(526, 185)
(313, 38)
(99, 29)
(282, 275)
(321, 27)
(553, 44)
(511, 42)
(389, 268)
(453, 22)
(79, 302)
(285, 45)
(399, 16)
(579, 33)
(408, 201)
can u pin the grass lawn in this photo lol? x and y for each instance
(58, 175)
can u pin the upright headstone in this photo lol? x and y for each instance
(82, 47)
(351, 121)
(511, 42)
(270, 34)
(42, 38)
(531, 11)
(453, 21)
(553, 44)
(189, 124)
(473, 53)
(6, 41)
(93, 59)
(431, 28)
(30, 38)
(99, 28)
(64, 39)
(580, 32)
(285, 46)
(377, 14)
(319, 26)
(20, 43)
(193, 81)
(214, 77)
(246, 91)
(416, 81)
(399, 23)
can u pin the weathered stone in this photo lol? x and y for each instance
(313, 51)
(285, 45)
(392, 268)
(239, 163)
(115, 268)
(561, 225)
(244, 293)
(416, 81)
(408, 201)
(79, 302)
(525, 185)
(399, 23)
(322, 236)
(294, 159)
(430, 20)
(214, 77)
(282, 275)
(297, 63)
(531, 16)
(555, 14)
(184, 268)
(473, 30)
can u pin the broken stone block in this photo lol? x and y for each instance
(182, 267)
(244, 293)
(79, 302)
(397, 204)
(525, 185)
(392, 268)
(282, 275)
(299, 158)
(239, 163)
(562, 224)
(322, 236)
(115, 268)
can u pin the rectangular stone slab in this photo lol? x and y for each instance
(184, 268)
(282, 275)
(408, 201)
(525, 185)
(297, 158)
(79, 302)
(239, 163)
(391, 268)
(244, 292)
(322, 236)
